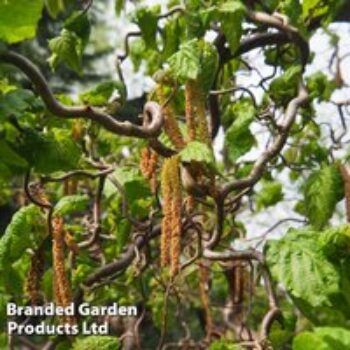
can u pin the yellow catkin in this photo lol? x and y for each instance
(346, 179)
(175, 247)
(171, 223)
(204, 296)
(189, 109)
(144, 161)
(62, 290)
(34, 277)
(171, 126)
(166, 221)
(70, 242)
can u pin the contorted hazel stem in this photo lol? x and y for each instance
(34, 277)
(62, 290)
(171, 223)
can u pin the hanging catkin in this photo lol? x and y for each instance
(166, 221)
(344, 169)
(175, 247)
(61, 285)
(171, 126)
(190, 109)
(148, 166)
(34, 277)
(171, 223)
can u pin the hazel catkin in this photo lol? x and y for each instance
(171, 222)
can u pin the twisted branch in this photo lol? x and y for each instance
(151, 130)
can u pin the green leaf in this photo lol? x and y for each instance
(185, 64)
(71, 204)
(238, 138)
(54, 7)
(11, 158)
(270, 194)
(323, 338)
(66, 48)
(222, 344)
(298, 257)
(146, 18)
(133, 183)
(198, 152)
(323, 190)
(122, 234)
(16, 102)
(326, 10)
(209, 62)
(49, 152)
(18, 21)
(284, 88)
(320, 87)
(97, 342)
(100, 94)
(230, 15)
(79, 24)
(335, 242)
(27, 229)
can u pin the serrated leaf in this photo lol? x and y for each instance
(27, 229)
(49, 152)
(54, 7)
(66, 48)
(185, 64)
(238, 137)
(71, 204)
(323, 338)
(97, 342)
(323, 190)
(18, 21)
(297, 258)
(100, 95)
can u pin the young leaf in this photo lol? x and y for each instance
(323, 190)
(100, 94)
(66, 48)
(79, 24)
(238, 138)
(146, 19)
(270, 194)
(320, 87)
(284, 88)
(230, 15)
(71, 204)
(18, 21)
